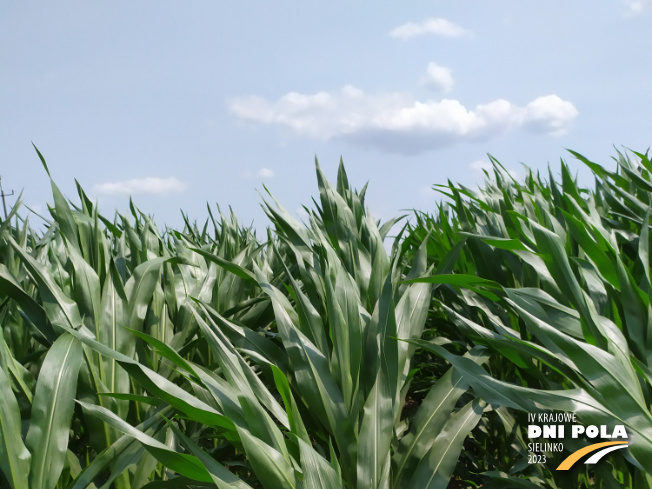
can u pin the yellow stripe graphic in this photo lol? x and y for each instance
(575, 456)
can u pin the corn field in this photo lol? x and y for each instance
(328, 354)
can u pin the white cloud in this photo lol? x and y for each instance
(148, 185)
(262, 173)
(549, 114)
(439, 78)
(637, 6)
(265, 173)
(440, 27)
(396, 122)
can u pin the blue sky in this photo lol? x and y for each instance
(181, 104)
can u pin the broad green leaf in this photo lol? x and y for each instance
(33, 310)
(436, 468)
(297, 428)
(376, 429)
(317, 472)
(433, 414)
(460, 280)
(54, 401)
(240, 374)
(604, 264)
(271, 467)
(588, 409)
(552, 250)
(345, 327)
(118, 456)
(612, 379)
(312, 372)
(14, 457)
(60, 309)
(501, 480)
(110, 331)
(227, 265)
(221, 476)
(184, 464)
(86, 287)
(162, 387)
(140, 288)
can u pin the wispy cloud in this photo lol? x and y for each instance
(637, 6)
(396, 122)
(265, 173)
(436, 26)
(438, 78)
(148, 185)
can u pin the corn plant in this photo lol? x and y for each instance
(340, 370)
(203, 357)
(555, 279)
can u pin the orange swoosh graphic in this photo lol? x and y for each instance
(575, 456)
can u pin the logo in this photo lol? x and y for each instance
(607, 446)
(554, 428)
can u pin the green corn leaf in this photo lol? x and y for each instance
(611, 375)
(60, 309)
(635, 306)
(375, 435)
(227, 265)
(61, 211)
(644, 246)
(140, 288)
(86, 287)
(588, 409)
(38, 321)
(162, 387)
(186, 465)
(54, 401)
(119, 455)
(411, 314)
(110, 331)
(317, 472)
(504, 243)
(459, 280)
(240, 374)
(248, 340)
(501, 480)
(433, 414)
(310, 321)
(343, 308)
(604, 264)
(312, 371)
(16, 371)
(552, 248)
(221, 476)
(166, 352)
(598, 169)
(14, 457)
(297, 428)
(436, 468)
(272, 468)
